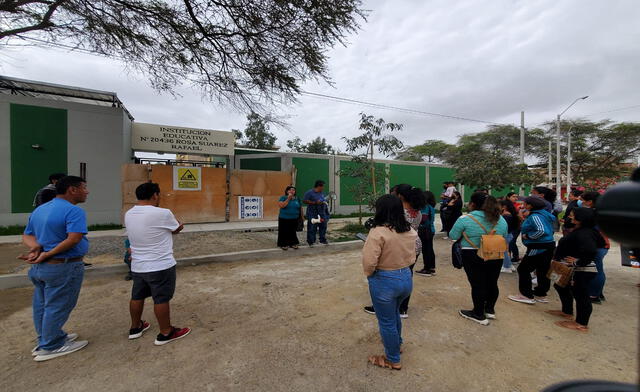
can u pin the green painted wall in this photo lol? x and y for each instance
(407, 174)
(346, 196)
(438, 175)
(239, 151)
(308, 171)
(30, 168)
(269, 164)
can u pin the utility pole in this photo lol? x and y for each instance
(521, 147)
(568, 162)
(550, 164)
(558, 161)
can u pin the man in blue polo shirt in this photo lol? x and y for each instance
(55, 236)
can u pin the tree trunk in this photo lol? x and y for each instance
(373, 171)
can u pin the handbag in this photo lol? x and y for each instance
(560, 273)
(456, 254)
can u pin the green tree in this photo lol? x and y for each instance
(241, 52)
(376, 136)
(316, 146)
(429, 151)
(256, 134)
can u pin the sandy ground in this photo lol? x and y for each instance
(298, 325)
(110, 250)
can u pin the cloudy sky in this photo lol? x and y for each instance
(485, 60)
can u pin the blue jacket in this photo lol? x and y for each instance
(473, 230)
(428, 218)
(538, 227)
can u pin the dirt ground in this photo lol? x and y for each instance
(298, 325)
(110, 250)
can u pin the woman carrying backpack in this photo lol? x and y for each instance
(485, 218)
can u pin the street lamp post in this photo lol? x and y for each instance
(558, 161)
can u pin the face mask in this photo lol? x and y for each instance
(579, 203)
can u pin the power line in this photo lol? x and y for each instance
(397, 108)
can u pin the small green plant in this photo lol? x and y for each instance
(12, 230)
(105, 226)
(354, 228)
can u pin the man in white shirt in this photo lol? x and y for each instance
(153, 267)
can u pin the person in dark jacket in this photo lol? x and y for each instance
(537, 235)
(579, 248)
(48, 192)
(453, 211)
(567, 224)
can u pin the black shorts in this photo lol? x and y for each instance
(160, 285)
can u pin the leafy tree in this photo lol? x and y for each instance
(242, 52)
(429, 151)
(256, 134)
(478, 166)
(375, 137)
(316, 146)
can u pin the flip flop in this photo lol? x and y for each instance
(572, 325)
(383, 362)
(559, 313)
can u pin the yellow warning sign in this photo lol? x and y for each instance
(187, 178)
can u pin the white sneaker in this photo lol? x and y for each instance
(506, 270)
(404, 315)
(68, 348)
(534, 281)
(514, 269)
(543, 300)
(490, 316)
(445, 238)
(522, 299)
(70, 338)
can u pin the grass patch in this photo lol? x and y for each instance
(352, 215)
(353, 228)
(19, 229)
(12, 230)
(344, 239)
(105, 226)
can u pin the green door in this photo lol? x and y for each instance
(38, 149)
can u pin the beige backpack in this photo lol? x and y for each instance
(492, 246)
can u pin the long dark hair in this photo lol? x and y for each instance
(412, 195)
(547, 193)
(512, 210)
(430, 198)
(286, 191)
(487, 204)
(390, 213)
(586, 216)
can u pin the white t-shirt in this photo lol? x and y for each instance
(449, 191)
(150, 232)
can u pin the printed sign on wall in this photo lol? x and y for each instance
(250, 207)
(187, 178)
(156, 138)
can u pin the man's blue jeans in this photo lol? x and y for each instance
(596, 286)
(388, 289)
(313, 229)
(56, 290)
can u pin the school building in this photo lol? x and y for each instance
(47, 128)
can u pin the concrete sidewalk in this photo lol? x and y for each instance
(189, 228)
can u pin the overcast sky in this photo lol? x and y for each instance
(485, 60)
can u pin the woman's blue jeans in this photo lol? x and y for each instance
(55, 294)
(388, 289)
(506, 262)
(596, 286)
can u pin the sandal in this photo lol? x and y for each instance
(294, 247)
(560, 313)
(284, 248)
(383, 362)
(572, 325)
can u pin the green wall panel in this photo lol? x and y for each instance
(269, 164)
(407, 174)
(346, 195)
(438, 175)
(30, 167)
(308, 171)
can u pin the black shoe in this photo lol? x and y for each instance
(596, 300)
(369, 309)
(602, 298)
(87, 265)
(324, 243)
(470, 315)
(135, 333)
(128, 277)
(426, 272)
(404, 314)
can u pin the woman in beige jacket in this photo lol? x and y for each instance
(386, 257)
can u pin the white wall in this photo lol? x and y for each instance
(100, 136)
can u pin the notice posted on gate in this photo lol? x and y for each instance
(187, 178)
(250, 207)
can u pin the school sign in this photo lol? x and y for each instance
(163, 138)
